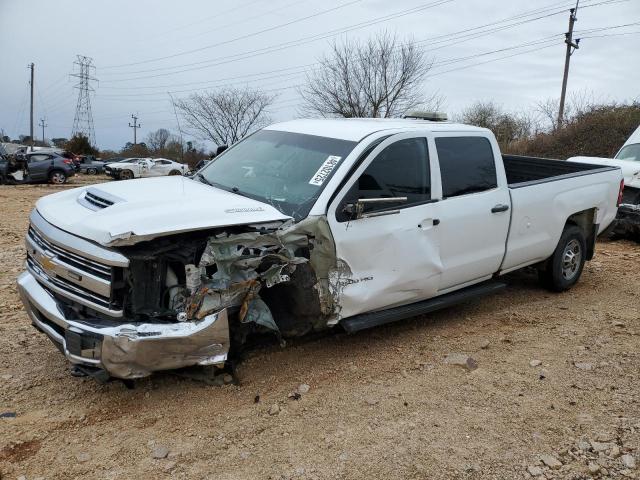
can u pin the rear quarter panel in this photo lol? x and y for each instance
(540, 212)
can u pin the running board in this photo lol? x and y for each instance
(382, 317)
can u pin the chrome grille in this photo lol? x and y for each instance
(81, 263)
(64, 287)
(70, 274)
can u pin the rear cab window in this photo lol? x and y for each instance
(467, 165)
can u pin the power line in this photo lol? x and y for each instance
(332, 33)
(242, 37)
(280, 46)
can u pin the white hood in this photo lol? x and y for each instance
(630, 168)
(147, 208)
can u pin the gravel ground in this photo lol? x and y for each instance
(555, 393)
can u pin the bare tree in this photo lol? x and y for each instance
(507, 127)
(577, 104)
(158, 140)
(377, 78)
(225, 116)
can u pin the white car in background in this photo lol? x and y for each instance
(628, 159)
(145, 167)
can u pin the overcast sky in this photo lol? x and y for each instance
(269, 44)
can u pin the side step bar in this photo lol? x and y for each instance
(382, 317)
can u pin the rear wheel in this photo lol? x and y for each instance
(126, 175)
(563, 269)
(92, 171)
(57, 177)
(175, 172)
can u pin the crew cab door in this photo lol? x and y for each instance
(474, 210)
(389, 255)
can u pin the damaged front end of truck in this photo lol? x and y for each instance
(187, 299)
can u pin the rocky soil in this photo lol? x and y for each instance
(524, 384)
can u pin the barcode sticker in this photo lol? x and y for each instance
(325, 170)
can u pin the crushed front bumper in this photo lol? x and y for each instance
(126, 350)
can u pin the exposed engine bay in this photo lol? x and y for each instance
(272, 279)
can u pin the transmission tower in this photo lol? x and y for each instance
(83, 121)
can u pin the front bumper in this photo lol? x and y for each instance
(126, 350)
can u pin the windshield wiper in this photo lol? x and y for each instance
(204, 180)
(237, 191)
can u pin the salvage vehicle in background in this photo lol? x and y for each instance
(90, 165)
(628, 159)
(303, 226)
(35, 167)
(145, 167)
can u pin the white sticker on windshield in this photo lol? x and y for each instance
(325, 170)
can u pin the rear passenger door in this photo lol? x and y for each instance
(474, 210)
(389, 256)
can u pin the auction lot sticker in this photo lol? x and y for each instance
(325, 170)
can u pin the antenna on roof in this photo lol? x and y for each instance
(431, 116)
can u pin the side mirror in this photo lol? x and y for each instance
(356, 210)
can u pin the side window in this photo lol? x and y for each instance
(400, 170)
(38, 158)
(467, 165)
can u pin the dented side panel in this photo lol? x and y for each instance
(401, 265)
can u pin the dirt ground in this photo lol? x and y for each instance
(382, 404)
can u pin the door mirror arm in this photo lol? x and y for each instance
(355, 210)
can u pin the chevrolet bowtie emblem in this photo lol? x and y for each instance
(47, 264)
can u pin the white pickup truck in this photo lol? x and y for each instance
(303, 226)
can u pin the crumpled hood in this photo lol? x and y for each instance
(630, 169)
(128, 212)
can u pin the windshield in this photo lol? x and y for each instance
(630, 152)
(287, 170)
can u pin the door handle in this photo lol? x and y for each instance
(500, 208)
(434, 222)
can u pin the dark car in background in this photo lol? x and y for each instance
(35, 167)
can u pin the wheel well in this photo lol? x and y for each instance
(585, 220)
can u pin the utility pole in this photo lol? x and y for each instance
(571, 47)
(31, 66)
(135, 127)
(42, 124)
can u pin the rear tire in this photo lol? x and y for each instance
(126, 175)
(563, 269)
(57, 177)
(91, 171)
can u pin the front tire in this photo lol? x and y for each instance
(126, 175)
(57, 177)
(563, 269)
(91, 171)
(175, 172)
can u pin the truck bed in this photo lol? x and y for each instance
(523, 171)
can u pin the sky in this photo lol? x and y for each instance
(510, 52)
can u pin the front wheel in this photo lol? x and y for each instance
(92, 171)
(175, 172)
(563, 269)
(57, 177)
(126, 175)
